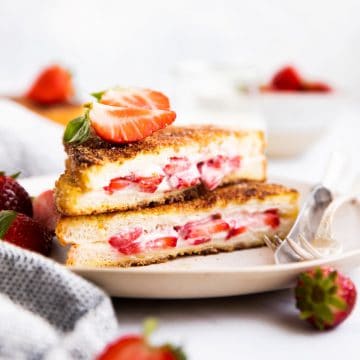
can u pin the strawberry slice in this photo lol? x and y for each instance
(134, 97)
(123, 125)
(53, 86)
(235, 232)
(272, 218)
(204, 228)
(181, 173)
(177, 164)
(125, 241)
(116, 184)
(162, 243)
(145, 184)
(148, 184)
(214, 170)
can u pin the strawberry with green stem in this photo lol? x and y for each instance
(138, 347)
(324, 297)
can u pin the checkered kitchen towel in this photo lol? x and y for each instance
(46, 312)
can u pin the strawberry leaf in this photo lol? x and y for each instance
(98, 95)
(6, 219)
(16, 175)
(337, 302)
(77, 130)
(177, 351)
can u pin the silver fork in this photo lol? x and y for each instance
(295, 246)
(310, 237)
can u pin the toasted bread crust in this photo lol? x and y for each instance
(161, 258)
(237, 194)
(96, 151)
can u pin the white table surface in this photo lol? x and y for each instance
(262, 326)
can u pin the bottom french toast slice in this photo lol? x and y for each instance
(234, 217)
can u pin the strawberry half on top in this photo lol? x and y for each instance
(122, 116)
(325, 297)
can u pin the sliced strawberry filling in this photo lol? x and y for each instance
(181, 173)
(125, 241)
(201, 231)
(214, 170)
(134, 241)
(143, 184)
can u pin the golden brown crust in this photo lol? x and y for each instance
(96, 151)
(160, 258)
(237, 194)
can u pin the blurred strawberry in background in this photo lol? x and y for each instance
(52, 86)
(52, 95)
(289, 79)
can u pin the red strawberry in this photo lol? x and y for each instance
(145, 184)
(124, 124)
(287, 79)
(135, 98)
(272, 218)
(203, 228)
(148, 184)
(214, 170)
(53, 85)
(325, 297)
(162, 243)
(13, 196)
(235, 232)
(181, 173)
(125, 241)
(316, 87)
(138, 347)
(45, 211)
(177, 164)
(117, 184)
(25, 232)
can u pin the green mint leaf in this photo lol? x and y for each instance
(98, 95)
(77, 130)
(6, 219)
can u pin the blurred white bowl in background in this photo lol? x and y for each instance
(296, 121)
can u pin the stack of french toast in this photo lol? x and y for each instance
(137, 190)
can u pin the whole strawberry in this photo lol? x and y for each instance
(325, 297)
(45, 211)
(287, 79)
(25, 232)
(52, 86)
(137, 347)
(13, 196)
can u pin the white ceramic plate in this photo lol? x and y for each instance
(226, 274)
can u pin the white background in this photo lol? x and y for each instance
(139, 42)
